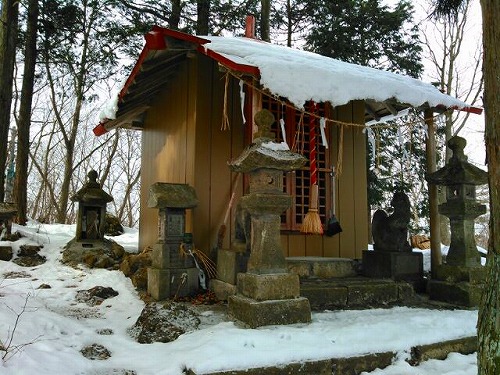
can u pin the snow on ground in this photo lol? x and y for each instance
(53, 327)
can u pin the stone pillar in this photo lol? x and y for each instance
(460, 279)
(267, 294)
(173, 272)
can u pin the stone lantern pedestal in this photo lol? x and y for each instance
(173, 271)
(460, 280)
(267, 294)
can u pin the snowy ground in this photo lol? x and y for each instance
(53, 327)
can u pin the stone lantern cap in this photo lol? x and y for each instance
(264, 152)
(458, 171)
(167, 195)
(92, 192)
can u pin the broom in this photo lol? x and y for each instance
(312, 222)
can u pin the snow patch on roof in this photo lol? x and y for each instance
(301, 76)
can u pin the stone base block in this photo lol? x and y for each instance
(279, 286)
(394, 265)
(230, 263)
(271, 312)
(320, 267)
(456, 274)
(462, 293)
(164, 283)
(222, 290)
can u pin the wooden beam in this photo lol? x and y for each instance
(436, 258)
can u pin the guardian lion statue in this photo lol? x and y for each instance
(390, 232)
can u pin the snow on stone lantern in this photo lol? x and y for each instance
(460, 279)
(267, 293)
(92, 201)
(173, 271)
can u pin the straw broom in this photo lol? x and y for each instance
(312, 222)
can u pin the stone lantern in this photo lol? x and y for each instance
(92, 201)
(267, 293)
(173, 271)
(460, 279)
(89, 245)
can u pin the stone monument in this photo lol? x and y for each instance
(173, 271)
(392, 256)
(267, 293)
(89, 245)
(461, 278)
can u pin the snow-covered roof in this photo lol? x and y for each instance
(301, 76)
(294, 74)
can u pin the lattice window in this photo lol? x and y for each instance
(297, 183)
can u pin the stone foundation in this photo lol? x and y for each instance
(269, 299)
(458, 285)
(164, 283)
(399, 266)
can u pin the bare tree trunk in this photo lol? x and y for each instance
(203, 11)
(8, 37)
(489, 310)
(23, 125)
(175, 16)
(265, 16)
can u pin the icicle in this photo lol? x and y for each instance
(242, 100)
(322, 126)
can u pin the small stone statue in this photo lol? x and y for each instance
(390, 232)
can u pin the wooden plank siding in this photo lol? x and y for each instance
(183, 143)
(351, 195)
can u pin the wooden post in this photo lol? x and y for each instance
(433, 193)
(250, 27)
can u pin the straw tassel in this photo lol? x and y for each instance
(312, 221)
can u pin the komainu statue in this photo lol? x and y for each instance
(390, 232)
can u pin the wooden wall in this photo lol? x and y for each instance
(351, 202)
(183, 143)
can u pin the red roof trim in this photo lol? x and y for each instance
(474, 110)
(243, 68)
(99, 130)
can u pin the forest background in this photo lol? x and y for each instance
(70, 57)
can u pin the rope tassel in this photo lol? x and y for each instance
(312, 221)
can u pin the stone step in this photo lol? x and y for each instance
(365, 363)
(354, 292)
(322, 268)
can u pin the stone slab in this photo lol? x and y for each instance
(269, 286)
(394, 265)
(167, 282)
(372, 294)
(359, 364)
(321, 267)
(440, 350)
(462, 293)
(229, 264)
(272, 312)
(358, 292)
